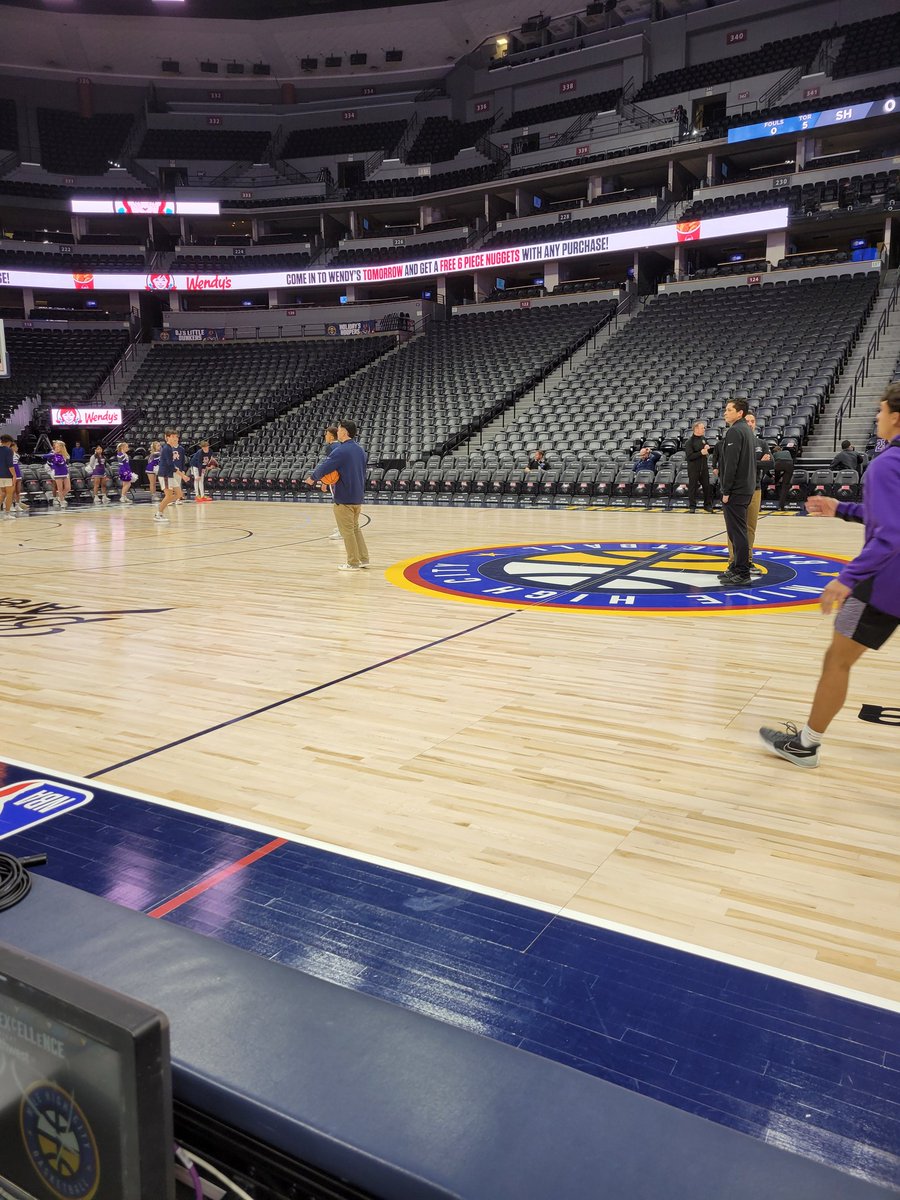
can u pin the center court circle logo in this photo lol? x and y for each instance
(644, 577)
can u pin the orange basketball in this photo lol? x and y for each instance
(330, 479)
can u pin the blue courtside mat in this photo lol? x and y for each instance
(798, 1066)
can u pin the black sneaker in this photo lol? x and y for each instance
(728, 572)
(755, 570)
(789, 746)
(731, 579)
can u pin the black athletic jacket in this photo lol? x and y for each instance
(737, 461)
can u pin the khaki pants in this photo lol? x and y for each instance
(752, 519)
(346, 517)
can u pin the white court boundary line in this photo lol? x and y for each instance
(642, 935)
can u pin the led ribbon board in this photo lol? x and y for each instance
(452, 264)
(143, 206)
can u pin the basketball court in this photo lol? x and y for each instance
(554, 710)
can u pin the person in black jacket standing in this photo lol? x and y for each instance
(697, 453)
(737, 479)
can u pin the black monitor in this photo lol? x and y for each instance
(85, 1089)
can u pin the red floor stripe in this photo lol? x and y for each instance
(198, 889)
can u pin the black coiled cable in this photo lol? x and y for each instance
(15, 882)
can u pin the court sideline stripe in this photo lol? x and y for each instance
(163, 910)
(319, 687)
(556, 910)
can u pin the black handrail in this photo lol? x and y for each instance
(862, 371)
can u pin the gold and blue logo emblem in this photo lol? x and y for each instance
(637, 577)
(60, 1142)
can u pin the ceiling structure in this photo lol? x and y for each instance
(262, 10)
(228, 10)
(127, 40)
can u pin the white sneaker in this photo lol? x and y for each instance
(57, 503)
(96, 499)
(104, 500)
(63, 504)
(347, 567)
(7, 516)
(158, 516)
(179, 501)
(364, 566)
(336, 536)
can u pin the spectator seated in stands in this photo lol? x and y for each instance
(646, 460)
(538, 461)
(847, 459)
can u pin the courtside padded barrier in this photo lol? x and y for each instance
(392, 1101)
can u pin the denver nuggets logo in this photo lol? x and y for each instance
(60, 1142)
(641, 577)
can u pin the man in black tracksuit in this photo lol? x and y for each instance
(697, 452)
(783, 464)
(737, 479)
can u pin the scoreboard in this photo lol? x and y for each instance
(815, 120)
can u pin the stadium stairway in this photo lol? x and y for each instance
(524, 403)
(113, 387)
(400, 348)
(857, 428)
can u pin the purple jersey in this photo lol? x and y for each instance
(125, 473)
(98, 467)
(58, 465)
(17, 470)
(152, 464)
(878, 563)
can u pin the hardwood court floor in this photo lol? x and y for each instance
(601, 763)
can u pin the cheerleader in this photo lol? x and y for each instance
(126, 475)
(99, 480)
(58, 462)
(201, 461)
(18, 503)
(152, 468)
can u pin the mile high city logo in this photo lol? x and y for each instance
(630, 577)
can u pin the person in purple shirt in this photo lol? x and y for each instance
(58, 462)
(866, 594)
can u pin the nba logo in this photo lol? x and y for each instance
(33, 801)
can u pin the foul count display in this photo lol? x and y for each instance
(815, 120)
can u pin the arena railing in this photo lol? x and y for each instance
(318, 329)
(862, 371)
(117, 372)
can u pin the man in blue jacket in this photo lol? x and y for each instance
(866, 594)
(349, 459)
